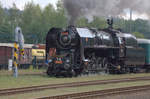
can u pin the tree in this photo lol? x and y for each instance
(6, 34)
(32, 23)
(98, 22)
(49, 15)
(14, 15)
(1, 15)
(82, 22)
(138, 35)
(61, 19)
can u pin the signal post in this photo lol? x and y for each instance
(15, 59)
(19, 41)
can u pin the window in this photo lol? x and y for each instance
(130, 41)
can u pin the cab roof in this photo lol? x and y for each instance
(143, 41)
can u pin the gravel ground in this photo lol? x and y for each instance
(138, 95)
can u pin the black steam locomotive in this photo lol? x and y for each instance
(76, 51)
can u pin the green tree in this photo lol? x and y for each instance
(49, 15)
(32, 23)
(6, 34)
(61, 19)
(2, 15)
(82, 22)
(14, 15)
(138, 35)
(98, 22)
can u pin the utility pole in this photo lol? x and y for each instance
(131, 20)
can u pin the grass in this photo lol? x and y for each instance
(73, 90)
(22, 72)
(8, 81)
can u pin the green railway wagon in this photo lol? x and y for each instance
(145, 43)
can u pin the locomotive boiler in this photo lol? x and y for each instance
(74, 51)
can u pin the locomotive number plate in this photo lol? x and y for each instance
(58, 62)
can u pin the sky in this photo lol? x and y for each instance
(20, 3)
(135, 15)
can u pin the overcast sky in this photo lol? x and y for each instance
(20, 3)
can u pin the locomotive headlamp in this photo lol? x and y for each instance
(65, 39)
(67, 60)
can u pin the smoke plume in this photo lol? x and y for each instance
(105, 8)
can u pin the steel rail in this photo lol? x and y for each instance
(67, 85)
(100, 93)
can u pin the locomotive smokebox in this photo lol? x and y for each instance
(64, 39)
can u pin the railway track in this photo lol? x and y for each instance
(13, 91)
(101, 93)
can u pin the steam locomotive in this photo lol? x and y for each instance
(76, 51)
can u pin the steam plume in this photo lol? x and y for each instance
(105, 8)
